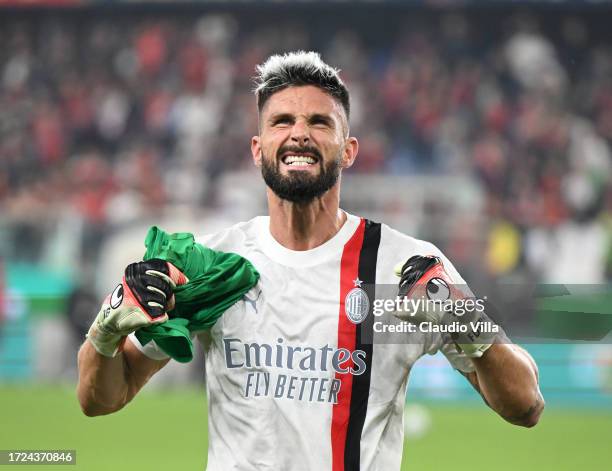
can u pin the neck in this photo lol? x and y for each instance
(305, 226)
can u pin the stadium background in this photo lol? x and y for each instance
(484, 126)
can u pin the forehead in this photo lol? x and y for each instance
(306, 99)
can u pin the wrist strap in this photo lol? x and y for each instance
(106, 344)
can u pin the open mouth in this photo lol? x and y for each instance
(292, 159)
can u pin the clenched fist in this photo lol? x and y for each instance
(143, 297)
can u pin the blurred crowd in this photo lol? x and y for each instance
(108, 118)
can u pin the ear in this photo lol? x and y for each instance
(350, 152)
(256, 150)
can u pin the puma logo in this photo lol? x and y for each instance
(252, 302)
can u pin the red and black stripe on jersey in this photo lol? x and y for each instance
(349, 413)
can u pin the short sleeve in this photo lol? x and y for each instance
(150, 350)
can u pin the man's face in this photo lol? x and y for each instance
(303, 143)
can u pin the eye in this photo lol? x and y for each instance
(437, 290)
(320, 122)
(282, 121)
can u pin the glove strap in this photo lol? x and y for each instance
(475, 346)
(473, 350)
(106, 343)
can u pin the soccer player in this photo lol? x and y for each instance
(293, 383)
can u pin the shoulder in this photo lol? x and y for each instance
(394, 240)
(397, 247)
(235, 237)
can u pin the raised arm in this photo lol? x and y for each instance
(107, 384)
(111, 369)
(507, 378)
(505, 375)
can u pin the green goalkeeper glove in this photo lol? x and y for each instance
(424, 277)
(142, 298)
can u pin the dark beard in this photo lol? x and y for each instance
(300, 187)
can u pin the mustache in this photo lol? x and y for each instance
(300, 150)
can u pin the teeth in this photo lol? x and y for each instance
(299, 160)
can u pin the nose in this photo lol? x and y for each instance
(300, 133)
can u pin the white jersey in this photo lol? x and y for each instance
(291, 384)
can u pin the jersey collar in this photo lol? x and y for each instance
(305, 258)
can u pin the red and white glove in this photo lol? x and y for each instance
(142, 298)
(423, 277)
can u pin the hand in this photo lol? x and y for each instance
(437, 300)
(142, 298)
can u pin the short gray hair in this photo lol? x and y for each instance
(294, 69)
